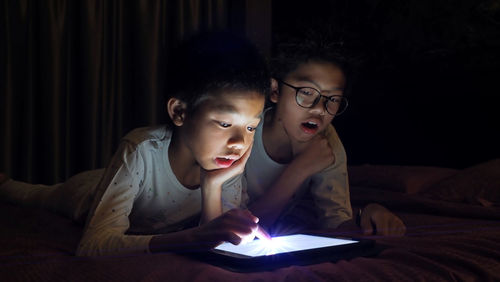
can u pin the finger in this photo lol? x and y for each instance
(398, 228)
(322, 133)
(241, 226)
(262, 234)
(402, 230)
(234, 239)
(382, 226)
(366, 225)
(249, 215)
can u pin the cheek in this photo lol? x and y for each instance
(328, 120)
(202, 141)
(249, 141)
(291, 112)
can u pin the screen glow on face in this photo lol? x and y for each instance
(282, 244)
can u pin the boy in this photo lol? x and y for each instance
(297, 156)
(167, 187)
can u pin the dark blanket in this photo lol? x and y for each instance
(445, 240)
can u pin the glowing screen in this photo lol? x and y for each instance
(283, 244)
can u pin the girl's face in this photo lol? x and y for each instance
(302, 124)
(222, 127)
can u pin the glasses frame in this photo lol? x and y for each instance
(316, 101)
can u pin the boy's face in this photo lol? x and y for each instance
(221, 129)
(300, 123)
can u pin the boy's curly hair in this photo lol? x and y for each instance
(213, 62)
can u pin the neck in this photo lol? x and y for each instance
(275, 138)
(183, 163)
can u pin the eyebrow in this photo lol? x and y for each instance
(307, 79)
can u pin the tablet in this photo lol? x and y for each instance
(297, 249)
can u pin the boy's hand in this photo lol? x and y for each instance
(384, 221)
(235, 226)
(314, 155)
(216, 177)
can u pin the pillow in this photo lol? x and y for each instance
(479, 184)
(404, 179)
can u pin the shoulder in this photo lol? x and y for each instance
(145, 135)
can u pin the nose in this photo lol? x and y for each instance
(320, 107)
(237, 140)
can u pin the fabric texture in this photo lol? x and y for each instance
(478, 185)
(445, 241)
(324, 195)
(404, 179)
(71, 199)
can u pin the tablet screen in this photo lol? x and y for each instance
(282, 244)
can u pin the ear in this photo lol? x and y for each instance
(274, 91)
(177, 111)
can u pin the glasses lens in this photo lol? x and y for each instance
(306, 97)
(336, 105)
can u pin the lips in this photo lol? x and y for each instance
(224, 162)
(311, 126)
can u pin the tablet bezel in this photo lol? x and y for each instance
(241, 263)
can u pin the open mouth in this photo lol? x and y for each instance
(224, 162)
(309, 127)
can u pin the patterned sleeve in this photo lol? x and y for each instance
(108, 218)
(234, 193)
(330, 188)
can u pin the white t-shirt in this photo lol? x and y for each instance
(329, 188)
(139, 194)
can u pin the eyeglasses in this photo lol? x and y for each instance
(308, 97)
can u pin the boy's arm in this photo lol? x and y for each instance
(330, 190)
(233, 226)
(330, 187)
(211, 187)
(108, 218)
(309, 158)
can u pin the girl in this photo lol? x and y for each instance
(167, 187)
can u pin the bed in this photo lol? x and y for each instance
(453, 234)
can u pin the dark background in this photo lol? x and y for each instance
(427, 87)
(75, 76)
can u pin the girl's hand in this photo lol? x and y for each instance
(216, 177)
(313, 156)
(235, 226)
(385, 222)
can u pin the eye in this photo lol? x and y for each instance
(306, 91)
(224, 124)
(335, 99)
(251, 129)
